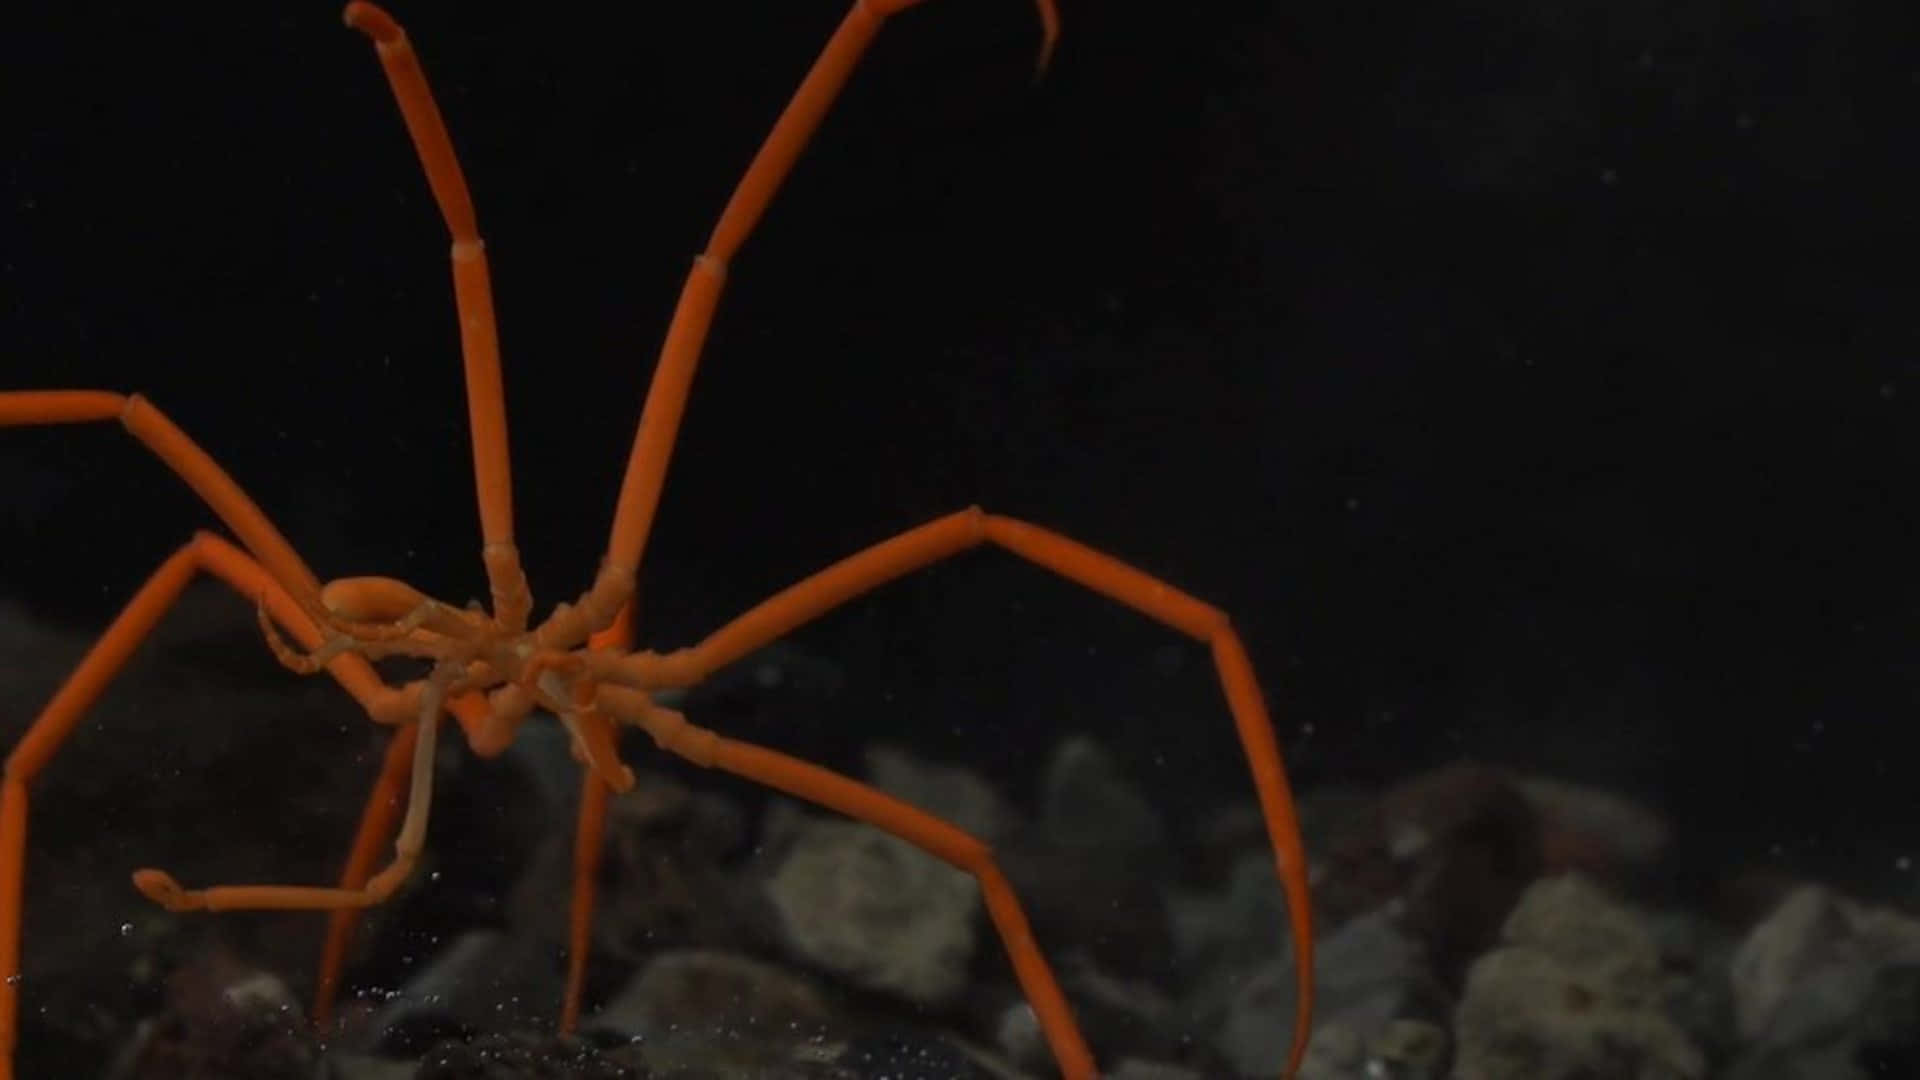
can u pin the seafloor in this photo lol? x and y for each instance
(1474, 921)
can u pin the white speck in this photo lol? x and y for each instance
(126, 929)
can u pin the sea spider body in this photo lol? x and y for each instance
(490, 670)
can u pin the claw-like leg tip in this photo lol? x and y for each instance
(371, 20)
(159, 887)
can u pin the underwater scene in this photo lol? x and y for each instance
(981, 539)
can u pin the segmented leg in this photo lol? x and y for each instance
(673, 375)
(378, 822)
(589, 839)
(862, 802)
(380, 819)
(162, 889)
(487, 419)
(473, 299)
(679, 356)
(930, 834)
(185, 458)
(204, 553)
(947, 536)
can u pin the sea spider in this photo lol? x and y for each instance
(492, 668)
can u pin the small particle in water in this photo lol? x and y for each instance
(126, 929)
(1903, 864)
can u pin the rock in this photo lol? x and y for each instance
(526, 1057)
(960, 797)
(1139, 1069)
(466, 987)
(346, 1065)
(1821, 985)
(1371, 981)
(666, 873)
(1597, 832)
(1575, 990)
(874, 909)
(687, 990)
(1112, 1011)
(1090, 810)
(224, 1020)
(1455, 847)
(1242, 924)
(1100, 840)
(710, 1009)
(1888, 1042)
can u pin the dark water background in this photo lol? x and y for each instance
(1534, 384)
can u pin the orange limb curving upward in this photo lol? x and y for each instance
(490, 669)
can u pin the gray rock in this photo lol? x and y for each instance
(1091, 810)
(1808, 980)
(956, 795)
(1574, 990)
(706, 1007)
(1372, 987)
(875, 910)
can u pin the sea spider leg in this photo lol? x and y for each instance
(161, 888)
(204, 553)
(666, 399)
(473, 298)
(945, 537)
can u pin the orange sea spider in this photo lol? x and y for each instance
(490, 669)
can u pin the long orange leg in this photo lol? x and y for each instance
(378, 822)
(687, 332)
(947, 536)
(205, 553)
(161, 888)
(473, 299)
(185, 458)
(673, 377)
(589, 838)
(487, 420)
(936, 837)
(805, 780)
(381, 818)
(275, 574)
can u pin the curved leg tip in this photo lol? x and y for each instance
(160, 887)
(622, 781)
(371, 20)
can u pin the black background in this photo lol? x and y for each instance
(1531, 383)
